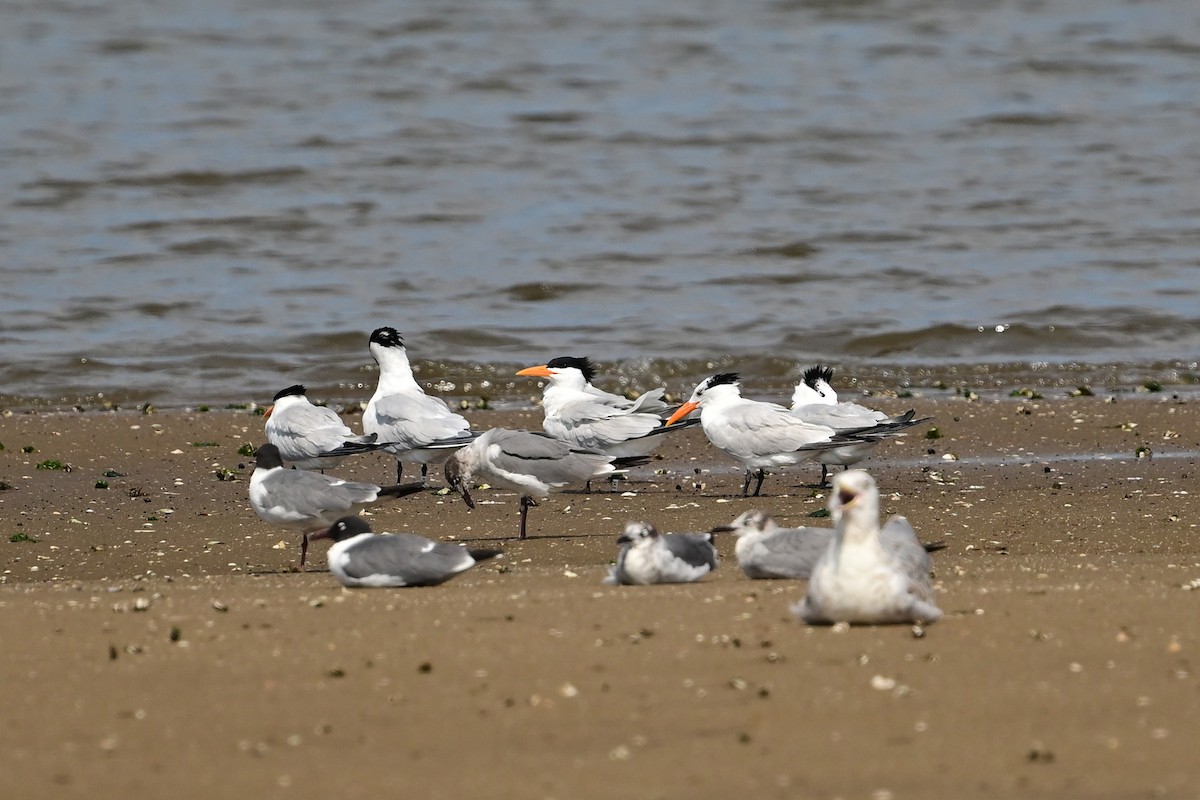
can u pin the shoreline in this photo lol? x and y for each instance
(166, 645)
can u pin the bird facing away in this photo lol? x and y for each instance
(310, 436)
(309, 501)
(647, 556)
(814, 400)
(765, 550)
(360, 558)
(763, 436)
(585, 417)
(861, 580)
(409, 424)
(528, 462)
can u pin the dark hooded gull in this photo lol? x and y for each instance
(309, 501)
(860, 578)
(647, 556)
(360, 558)
(528, 462)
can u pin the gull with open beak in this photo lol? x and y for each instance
(815, 401)
(585, 417)
(763, 436)
(361, 558)
(647, 556)
(528, 462)
(310, 436)
(862, 578)
(409, 424)
(309, 501)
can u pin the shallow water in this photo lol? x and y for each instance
(208, 202)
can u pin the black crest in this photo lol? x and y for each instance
(581, 364)
(814, 374)
(388, 337)
(723, 377)
(291, 391)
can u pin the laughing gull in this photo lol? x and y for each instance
(647, 556)
(761, 435)
(359, 557)
(765, 550)
(309, 501)
(860, 579)
(529, 462)
(409, 424)
(814, 400)
(310, 436)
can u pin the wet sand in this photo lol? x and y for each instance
(157, 642)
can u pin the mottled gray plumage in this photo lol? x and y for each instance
(647, 556)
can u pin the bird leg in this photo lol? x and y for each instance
(399, 470)
(526, 502)
(303, 548)
(761, 475)
(424, 473)
(746, 483)
(824, 475)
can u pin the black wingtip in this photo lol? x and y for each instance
(402, 489)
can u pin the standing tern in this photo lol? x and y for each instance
(309, 501)
(814, 400)
(530, 463)
(584, 417)
(862, 578)
(310, 436)
(647, 556)
(761, 435)
(409, 424)
(359, 557)
(765, 550)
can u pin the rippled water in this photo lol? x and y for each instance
(209, 201)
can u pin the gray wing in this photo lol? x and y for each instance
(761, 429)
(901, 541)
(842, 416)
(592, 425)
(311, 494)
(541, 455)
(789, 552)
(414, 421)
(307, 431)
(696, 549)
(415, 560)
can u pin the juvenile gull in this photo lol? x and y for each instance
(310, 436)
(647, 556)
(763, 436)
(359, 557)
(409, 424)
(765, 550)
(859, 578)
(528, 462)
(814, 400)
(309, 501)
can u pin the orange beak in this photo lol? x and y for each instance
(536, 372)
(682, 411)
(267, 414)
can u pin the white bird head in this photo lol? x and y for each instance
(567, 371)
(749, 523)
(638, 534)
(724, 385)
(854, 502)
(284, 398)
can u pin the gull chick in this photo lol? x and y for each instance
(310, 436)
(859, 579)
(409, 424)
(528, 462)
(647, 556)
(360, 558)
(309, 501)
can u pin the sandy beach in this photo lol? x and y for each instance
(157, 640)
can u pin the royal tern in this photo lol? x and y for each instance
(862, 578)
(359, 557)
(761, 435)
(814, 400)
(409, 424)
(577, 373)
(765, 550)
(310, 436)
(584, 417)
(530, 463)
(647, 556)
(309, 501)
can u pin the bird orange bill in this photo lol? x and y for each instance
(540, 371)
(682, 411)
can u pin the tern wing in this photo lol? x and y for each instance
(413, 421)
